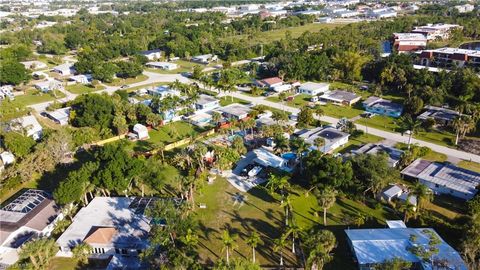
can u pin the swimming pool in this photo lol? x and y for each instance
(289, 156)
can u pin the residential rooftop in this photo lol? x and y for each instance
(235, 109)
(205, 99)
(394, 154)
(438, 113)
(339, 96)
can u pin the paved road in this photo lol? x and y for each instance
(397, 137)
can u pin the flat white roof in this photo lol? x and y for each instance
(312, 86)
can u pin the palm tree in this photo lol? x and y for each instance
(250, 124)
(321, 244)
(190, 239)
(326, 199)
(278, 183)
(280, 244)
(423, 194)
(287, 204)
(39, 252)
(216, 117)
(253, 241)
(408, 210)
(359, 220)
(319, 142)
(294, 231)
(282, 96)
(228, 242)
(301, 147)
(406, 123)
(463, 125)
(281, 144)
(81, 252)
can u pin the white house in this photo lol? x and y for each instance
(333, 138)
(204, 59)
(266, 158)
(206, 103)
(6, 91)
(162, 65)
(82, 78)
(34, 64)
(152, 54)
(64, 69)
(7, 158)
(48, 85)
(313, 89)
(141, 131)
(30, 124)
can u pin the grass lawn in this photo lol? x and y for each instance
(33, 96)
(61, 263)
(273, 35)
(439, 137)
(432, 155)
(226, 100)
(341, 111)
(470, 165)
(168, 133)
(83, 88)
(119, 82)
(355, 142)
(262, 213)
(299, 100)
(379, 122)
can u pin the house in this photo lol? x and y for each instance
(7, 158)
(394, 154)
(391, 192)
(269, 82)
(141, 131)
(48, 85)
(206, 103)
(281, 88)
(152, 54)
(30, 124)
(59, 116)
(333, 138)
(32, 214)
(163, 91)
(204, 59)
(382, 106)
(200, 119)
(442, 116)
(444, 178)
(436, 31)
(449, 57)
(464, 8)
(6, 91)
(374, 246)
(408, 42)
(162, 65)
(81, 78)
(340, 97)
(266, 158)
(313, 89)
(34, 65)
(111, 226)
(382, 13)
(346, 14)
(64, 69)
(235, 111)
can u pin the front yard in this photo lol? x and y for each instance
(83, 88)
(33, 96)
(119, 81)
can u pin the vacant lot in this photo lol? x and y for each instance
(119, 81)
(33, 96)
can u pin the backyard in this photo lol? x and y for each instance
(83, 88)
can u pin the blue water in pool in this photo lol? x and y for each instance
(289, 156)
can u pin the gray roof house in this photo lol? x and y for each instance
(333, 137)
(442, 116)
(394, 154)
(341, 97)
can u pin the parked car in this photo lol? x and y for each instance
(256, 170)
(124, 86)
(267, 93)
(368, 115)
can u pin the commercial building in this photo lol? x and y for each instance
(333, 138)
(31, 215)
(436, 31)
(371, 247)
(235, 111)
(162, 65)
(442, 116)
(152, 54)
(450, 57)
(313, 89)
(59, 116)
(206, 103)
(111, 226)
(340, 97)
(408, 42)
(382, 106)
(444, 178)
(394, 154)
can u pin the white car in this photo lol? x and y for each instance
(254, 171)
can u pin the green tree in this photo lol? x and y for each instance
(13, 72)
(326, 199)
(18, 144)
(279, 246)
(81, 252)
(394, 264)
(318, 245)
(372, 172)
(104, 72)
(408, 124)
(38, 253)
(93, 110)
(323, 170)
(228, 242)
(423, 194)
(350, 63)
(128, 69)
(305, 117)
(253, 240)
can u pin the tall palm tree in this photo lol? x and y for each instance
(463, 124)
(293, 230)
(326, 199)
(423, 194)
(287, 204)
(228, 242)
(253, 240)
(216, 117)
(319, 142)
(276, 182)
(407, 123)
(279, 245)
(321, 244)
(408, 210)
(281, 144)
(81, 252)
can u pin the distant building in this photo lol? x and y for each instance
(206, 103)
(313, 89)
(235, 111)
(450, 57)
(374, 246)
(382, 106)
(162, 65)
(442, 116)
(346, 14)
(163, 91)
(333, 138)
(64, 69)
(81, 78)
(30, 124)
(436, 31)
(204, 59)
(152, 54)
(59, 116)
(407, 42)
(394, 154)
(34, 65)
(111, 226)
(340, 97)
(269, 82)
(382, 13)
(48, 85)
(444, 178)
(31, 215)
(464, 8)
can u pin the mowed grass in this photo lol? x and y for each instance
(166, 134)
(83, 88)
(379, 122)
(273, 35)
(119, 81)
(431, 155)
(261, 212)
(62, 263)
(33, 96)
(356, 142)
(227, 100)
(470, 165)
